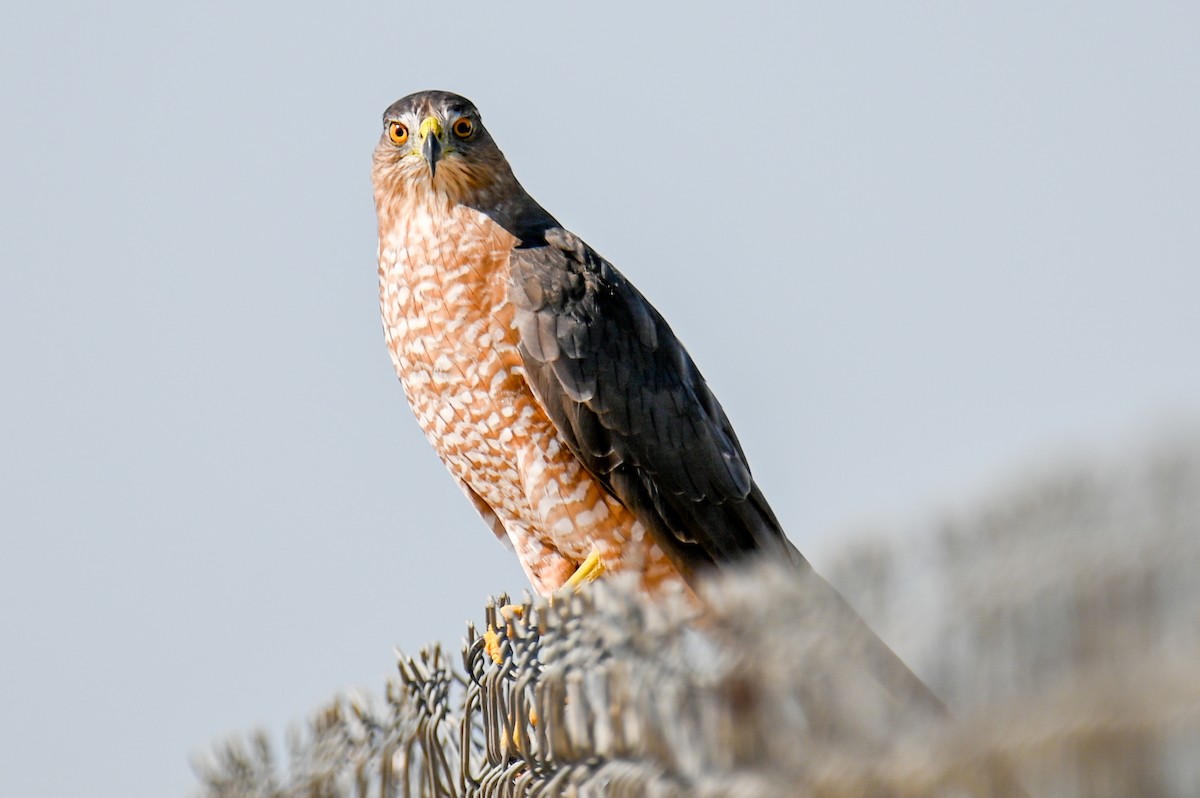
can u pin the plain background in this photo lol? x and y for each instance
(913, 247)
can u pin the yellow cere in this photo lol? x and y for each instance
(430, 125)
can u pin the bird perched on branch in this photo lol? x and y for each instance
(556, 395)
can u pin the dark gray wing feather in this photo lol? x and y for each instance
(633, 407)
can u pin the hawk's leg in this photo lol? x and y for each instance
(589, 571)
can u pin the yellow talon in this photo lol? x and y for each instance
(491, 644)
(589, 571)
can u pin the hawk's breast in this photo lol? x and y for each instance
(444, 276)
(443, 295)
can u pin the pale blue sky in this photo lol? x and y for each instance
(912, 247)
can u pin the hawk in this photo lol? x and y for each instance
(556, 395)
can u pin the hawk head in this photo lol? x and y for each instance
(434, 150)
(435, 141)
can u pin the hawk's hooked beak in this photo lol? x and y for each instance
(431, 143)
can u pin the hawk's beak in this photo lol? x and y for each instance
(431, 143)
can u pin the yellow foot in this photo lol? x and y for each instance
(491, 638)
(491, 644)
(589, 571)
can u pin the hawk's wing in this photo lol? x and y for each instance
(632, 406)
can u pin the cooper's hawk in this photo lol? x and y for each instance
(556, 395)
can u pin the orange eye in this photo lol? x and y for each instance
(463, 127)
(397, 132)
